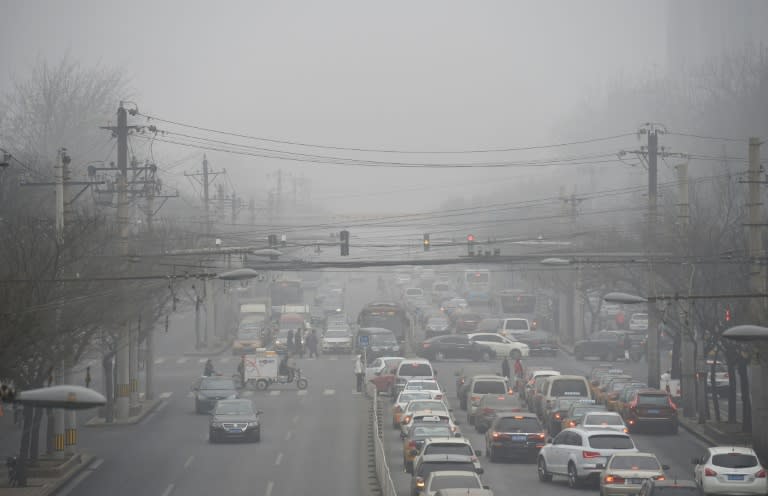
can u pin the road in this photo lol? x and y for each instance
(521, 478)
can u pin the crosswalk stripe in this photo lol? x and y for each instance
(202, 360)
(328, 392)
(333, 358)
(302, 392)
(159, 361)
(166, 395)
(181, 360)
(274, 393)
(225, 359)
(190, 394)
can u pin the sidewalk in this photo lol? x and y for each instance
(47, 475)
(145, 408)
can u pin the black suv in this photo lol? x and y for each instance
(454, 346)
(608, 345)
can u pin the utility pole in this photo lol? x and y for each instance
(759, 366)
(574, 306)
(122, 358)
(687, 342)
(654, 368)
(208, 177)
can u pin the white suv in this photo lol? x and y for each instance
(581, 454)
(411, 369)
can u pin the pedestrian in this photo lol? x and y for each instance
(505, 367)
(299, 341)
(359, 373)
(518, 369)
(88, 376)
(312, 344)
(627, 346)
(289, 340)
(241, 370)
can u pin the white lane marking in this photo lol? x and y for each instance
(96, 464)
(295, 419)
(225, 359)
(159, 361)
(333, 358)
(166, 395)
(247, 394)
(75, 482)
(270, 485)
(278, 459)
(181, 360)
(202, 360)
(288, 435)
(303, 392)
(329, 392)
(189, 461)
(190, 394)
(169, 489)
(274, 393)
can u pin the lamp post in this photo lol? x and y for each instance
(756, 337)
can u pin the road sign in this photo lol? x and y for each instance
(363, 341)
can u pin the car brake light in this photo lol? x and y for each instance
(411, 444)
(709, 472)
(438, 396)
(495, 435)
(536, 436)
(425, 345)
(572, 423)
(475, 399)
(760, 474)
(398, 409)
(488, 411)
(590, 454)
(613, 479)
(659, 477)
(407, 419)
(626, 431)
(420, 483)
(558, 416)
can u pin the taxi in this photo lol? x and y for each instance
(614, 384)
(612, 398)
(576, 412)
(554, 420)
(414, 438)
(429, 417)
(248, 340)
(402, 401)
(605, 381)
(597, 374)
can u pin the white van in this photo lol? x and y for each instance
(569, 386)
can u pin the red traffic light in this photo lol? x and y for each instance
(727, 314)
(470, 237)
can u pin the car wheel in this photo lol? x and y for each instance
(302, 383)
(212, 437)
(262, 385)
(573, 477)
(515, 354)
(439, 356)
(541, 468)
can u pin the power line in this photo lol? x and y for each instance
(380, 150)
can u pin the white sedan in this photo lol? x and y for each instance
(730, 470)
(501, 345)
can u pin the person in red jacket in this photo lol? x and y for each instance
(518, 368)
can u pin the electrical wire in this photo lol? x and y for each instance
(711, 138)
(384, 150)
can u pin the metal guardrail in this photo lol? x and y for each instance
(383, 473)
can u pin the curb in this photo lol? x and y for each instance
(85, 461)
(685, 424)
(147, 408)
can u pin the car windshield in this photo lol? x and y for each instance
(517, 325)
(415, 406)
(239, 408)
(524, 424)
(247, 334)
(454, 481)
(449, 449)
(336, 334)
(406, 397)
(489, 387)
(568, 387)
(592, 419)
(437, 322)
(652, 400)
(635, 463)
(423, 431)
(383, 339)
(734, 460)
(565, 403)
(415, 370)
(425, 385)
(217, 383)
(499, 401)
(607, 441)
(427, 468)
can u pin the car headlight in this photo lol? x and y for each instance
(396, 348)
(232, 396)
(253, 424)
(216, 425)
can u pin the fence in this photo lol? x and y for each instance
(383, 473)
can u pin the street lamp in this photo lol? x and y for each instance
(654, 367)
(238, 275)
(556, 261)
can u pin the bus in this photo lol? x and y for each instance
(476, 285)
(285, 292)
(386, 315)
(520, 303)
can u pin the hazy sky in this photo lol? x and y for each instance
(397, 74)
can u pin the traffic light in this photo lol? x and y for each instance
(470, 244)
(426, 242)
(727, 314)
(272, 238)
(344, 240)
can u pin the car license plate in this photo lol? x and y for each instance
(635, 481)
(518, 439)
(234, 431)
(654, 411)
(735, 477)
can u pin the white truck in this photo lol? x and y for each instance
(262, 369)
(513, 326)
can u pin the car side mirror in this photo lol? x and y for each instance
(665, 467)
(478, 453)
(457, 422)
(487, 487)
(480, 470)
(194, 388)
(549, 440)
